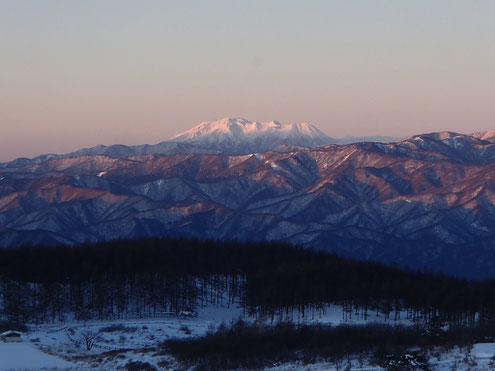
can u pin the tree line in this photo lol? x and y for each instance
(149, 277)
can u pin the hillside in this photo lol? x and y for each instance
(427, 201)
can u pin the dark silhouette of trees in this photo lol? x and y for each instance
(152, 277)
(251, 346)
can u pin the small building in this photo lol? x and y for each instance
(11, 336)
(186, 313)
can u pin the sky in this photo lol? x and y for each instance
(76, 74)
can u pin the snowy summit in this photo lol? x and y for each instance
(488, 135)
(238, 135)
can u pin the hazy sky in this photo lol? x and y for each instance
(80, 73)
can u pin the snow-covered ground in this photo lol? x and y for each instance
(26, 356)
(116, 342)
(119, 342)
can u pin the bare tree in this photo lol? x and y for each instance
(89, 339)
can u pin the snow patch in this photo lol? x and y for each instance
(483, 350)
(28, 356)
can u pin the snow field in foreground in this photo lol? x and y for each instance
(119, 342)
(27, 356)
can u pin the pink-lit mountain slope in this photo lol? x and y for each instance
(238, 135)
(426, 201)
(229, 135)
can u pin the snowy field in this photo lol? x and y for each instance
(28, 356)
(115, 344)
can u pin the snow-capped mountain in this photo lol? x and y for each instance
(428, 200)
(232, 136)
(488, 135)
(240, 136)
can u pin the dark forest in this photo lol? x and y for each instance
(153, 277)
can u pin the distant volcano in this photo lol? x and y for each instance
(240, 136)
(236, 136)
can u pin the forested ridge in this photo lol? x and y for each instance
(152, 276)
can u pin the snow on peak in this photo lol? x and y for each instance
(239, 129)
(440, 135)
(241, 136)
(488, 135)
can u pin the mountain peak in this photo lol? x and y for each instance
(488, 135)
(438, 135)
(238, 135)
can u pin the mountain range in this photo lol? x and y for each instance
(427, 201)
(228, 135)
